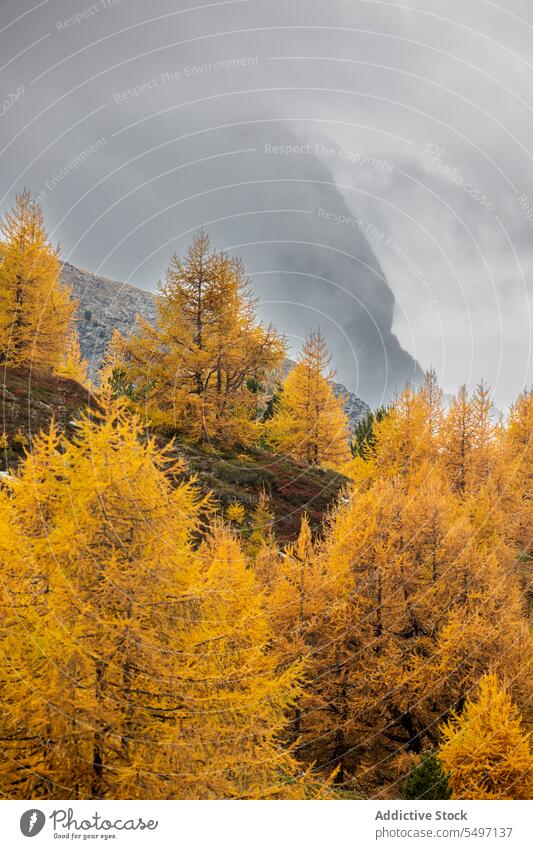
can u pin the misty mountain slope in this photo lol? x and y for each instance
(275, 203)
(265, 193)
(105, 304)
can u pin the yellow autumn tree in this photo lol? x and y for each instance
(293, 588)
(309, 422)
(432, 399)
(468, 438)
(248, 691)
(111, 374)
(262, 527)
(35, 308)
(429, 599)
(485, 627)
(312, 608)
(515, 485)
(72, 364)
(196, 371)
(486, 749)
(135, 665)
(404, 438)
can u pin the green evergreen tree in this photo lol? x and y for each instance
(428, 780)
(363, 436)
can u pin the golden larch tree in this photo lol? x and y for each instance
(313, 615)
(429, 600)
(516, 484)
(309, 422)
(135, 664)
(405, 437)
(195, 371)
(35, 308)
(261, 527)
(72, 364)
(486, 749)
(468, 439)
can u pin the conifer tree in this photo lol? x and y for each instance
(432, 398)
(486, 749)
(194, 369)
(262, 521)
(309, 422)
(403, 438)
(113, 376)
(311, 605)
(72, 364)
(135, 665)
(293, 599)
(516, 484)
(468, 439)
(429, 600)
(241, 681)
(428, 780)
(363, 436)
(35, 308)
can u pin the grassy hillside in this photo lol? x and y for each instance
(31, 399)
(293, 488)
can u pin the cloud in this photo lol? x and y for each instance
(187, 100)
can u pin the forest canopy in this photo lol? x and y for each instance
(158, 644)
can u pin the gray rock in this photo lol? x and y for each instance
(104, 305)
(354, 407)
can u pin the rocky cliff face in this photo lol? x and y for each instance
(105, 304)
(354, 407)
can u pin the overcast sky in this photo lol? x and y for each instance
(401, 216)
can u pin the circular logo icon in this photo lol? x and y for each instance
(32, 822)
